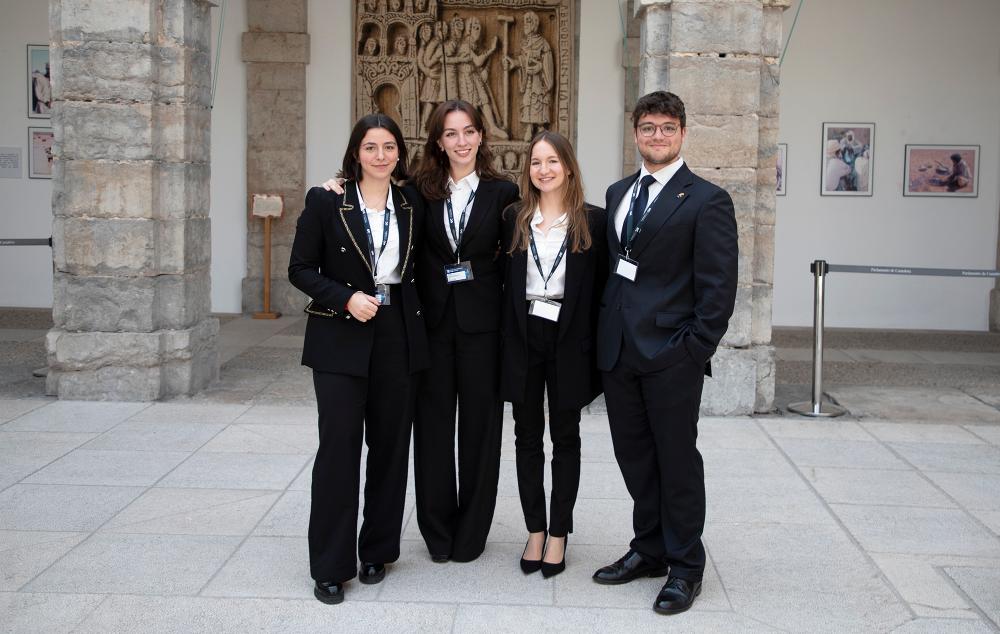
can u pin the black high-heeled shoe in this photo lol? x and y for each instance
(551, 570)
(529, 566)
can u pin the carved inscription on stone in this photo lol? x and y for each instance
(512, 59)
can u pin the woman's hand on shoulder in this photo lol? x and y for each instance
(335, 185)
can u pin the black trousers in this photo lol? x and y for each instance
(564, 432)
(654, 428)
(380, 408)
(454, 516)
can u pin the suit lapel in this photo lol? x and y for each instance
(479, 207)
(438, 231)
(350, 214)
(404, 221)
(671, 197)
(574, 274)
(614, 241)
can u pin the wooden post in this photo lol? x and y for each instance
(267, 207)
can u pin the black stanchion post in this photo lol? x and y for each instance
(816, 407)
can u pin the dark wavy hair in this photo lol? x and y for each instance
(659, 102)
(351, 168)
(431, 175)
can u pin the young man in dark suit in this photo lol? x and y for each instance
(673, 256)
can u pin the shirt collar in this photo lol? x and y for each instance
(388, 201)
(536, 219)
(470, 183)
(664, 174)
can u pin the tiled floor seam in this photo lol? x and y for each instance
(975, 520)
(105, 522)
(972, 604)
(722, 584)
(253, 528)
(970, 428)
(87, 615)
(839, 522)
(59, 457)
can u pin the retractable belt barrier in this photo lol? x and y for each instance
(820, 268)
(25, 242)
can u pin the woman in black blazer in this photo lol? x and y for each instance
(365, 341)
(557, 267)
(460, 278)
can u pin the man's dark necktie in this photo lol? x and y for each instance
(634, 214)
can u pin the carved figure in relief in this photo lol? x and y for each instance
(399, 46)
(473, 77)
(453, 40)
(371, 47)
(537, 77)
(429, 64)
(395, 6)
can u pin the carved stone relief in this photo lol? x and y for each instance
(512, 59)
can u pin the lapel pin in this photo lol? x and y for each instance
(680, 195)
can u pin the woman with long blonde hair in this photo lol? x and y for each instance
(556, 269)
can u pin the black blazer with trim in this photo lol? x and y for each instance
(586, 273)
(685, 290)
(330, 262)
(477, 302)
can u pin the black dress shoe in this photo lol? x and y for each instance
(440, 559)
(529, 566)
(329, 592)
(676, 596)
(630, 567)
(551, 570)
(371, 573)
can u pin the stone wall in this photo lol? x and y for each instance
(721, 58)
(131, 232)
(275, 51)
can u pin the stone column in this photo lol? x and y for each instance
(131, 232)
(276, 51)
(721, 59)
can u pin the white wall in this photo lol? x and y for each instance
(924, 71)
(229, 163)
(25, 204)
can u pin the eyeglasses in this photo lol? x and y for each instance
(649, 129)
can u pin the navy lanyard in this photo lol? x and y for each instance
(538, 261)
(630, 216)
(457, 235)
(371, 240)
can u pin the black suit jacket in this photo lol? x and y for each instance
(586, 273)
(477, 302)
(685, 290)
(330, 262)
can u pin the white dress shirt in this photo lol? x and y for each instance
(662, 176)
(460, 193)
(388, 264)
(547, 243)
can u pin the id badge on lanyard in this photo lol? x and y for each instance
(461, 270)
(626, 266)
(545, 308)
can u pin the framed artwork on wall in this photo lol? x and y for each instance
(848, 158)
(941, 170)
(39, 82)
(39, 152)
(782, 168)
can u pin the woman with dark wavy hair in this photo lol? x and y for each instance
(365, 341)
(460, 279)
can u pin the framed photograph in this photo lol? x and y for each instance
(782, 168)
(941, 170)
(39, 152)
(39, 82)
(848, 157)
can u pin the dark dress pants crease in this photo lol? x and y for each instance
(455, 516)
(378, 408)
(564, 433)
(654, 428)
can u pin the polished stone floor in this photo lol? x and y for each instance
(190, 515)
